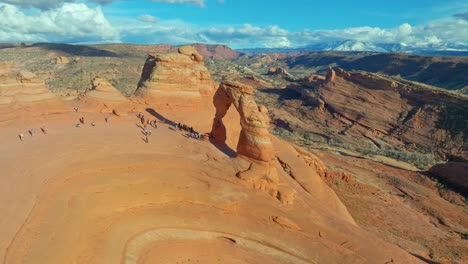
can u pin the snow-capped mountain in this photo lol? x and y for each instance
(454, 49)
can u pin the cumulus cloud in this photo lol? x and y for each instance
(71, 23)
(197, 2)
(439, 32)
(75, 22)
(148, 18)
(48, 4)
(42, 4)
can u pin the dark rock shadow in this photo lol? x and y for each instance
(428, 261)
(76, 50)
(221, 147)
(224, 148)
(283, 93)
(153, 112)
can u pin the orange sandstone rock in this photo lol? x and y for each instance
(102, 90)
(254, 141)
(331, 75)
(179, 79)
(21, 86)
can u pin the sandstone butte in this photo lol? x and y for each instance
(103, 195)
(176, 79)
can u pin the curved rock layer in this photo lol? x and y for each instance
(102, 90)
(21, 86)
(105, 98)
(171, 201)
(175, 79)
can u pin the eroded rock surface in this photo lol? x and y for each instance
(176, 79)
(254, 141)
(18, 86)
(102, 90)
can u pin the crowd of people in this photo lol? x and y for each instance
(191, 132)
(145, 124)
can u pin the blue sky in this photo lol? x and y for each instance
(237, 23)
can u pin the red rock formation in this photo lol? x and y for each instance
(254, 141)
(279, 71)
(102, 95)
(216, 51)
(179, 79)
(102, 90)
(21, 86)
(331, 75)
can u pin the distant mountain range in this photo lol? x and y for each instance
(446, 49)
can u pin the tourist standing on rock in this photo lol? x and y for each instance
(93, 124)
(32, 132)
(43, 130)
(107, 119)
(21, 136)
(82, 120)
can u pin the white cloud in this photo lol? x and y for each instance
(197, 2)
(42, 4)
(451, 30)
(48, 4)
(71, 22)
(62, 21)
(148, 18)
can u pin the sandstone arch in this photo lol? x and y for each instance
(254, 143)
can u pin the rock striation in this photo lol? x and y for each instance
(374, 111)
(177, 79)
(254, 143)
(18, 86)
(102, 90)
(103, 95)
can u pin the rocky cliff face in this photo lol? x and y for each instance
(176, 79)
